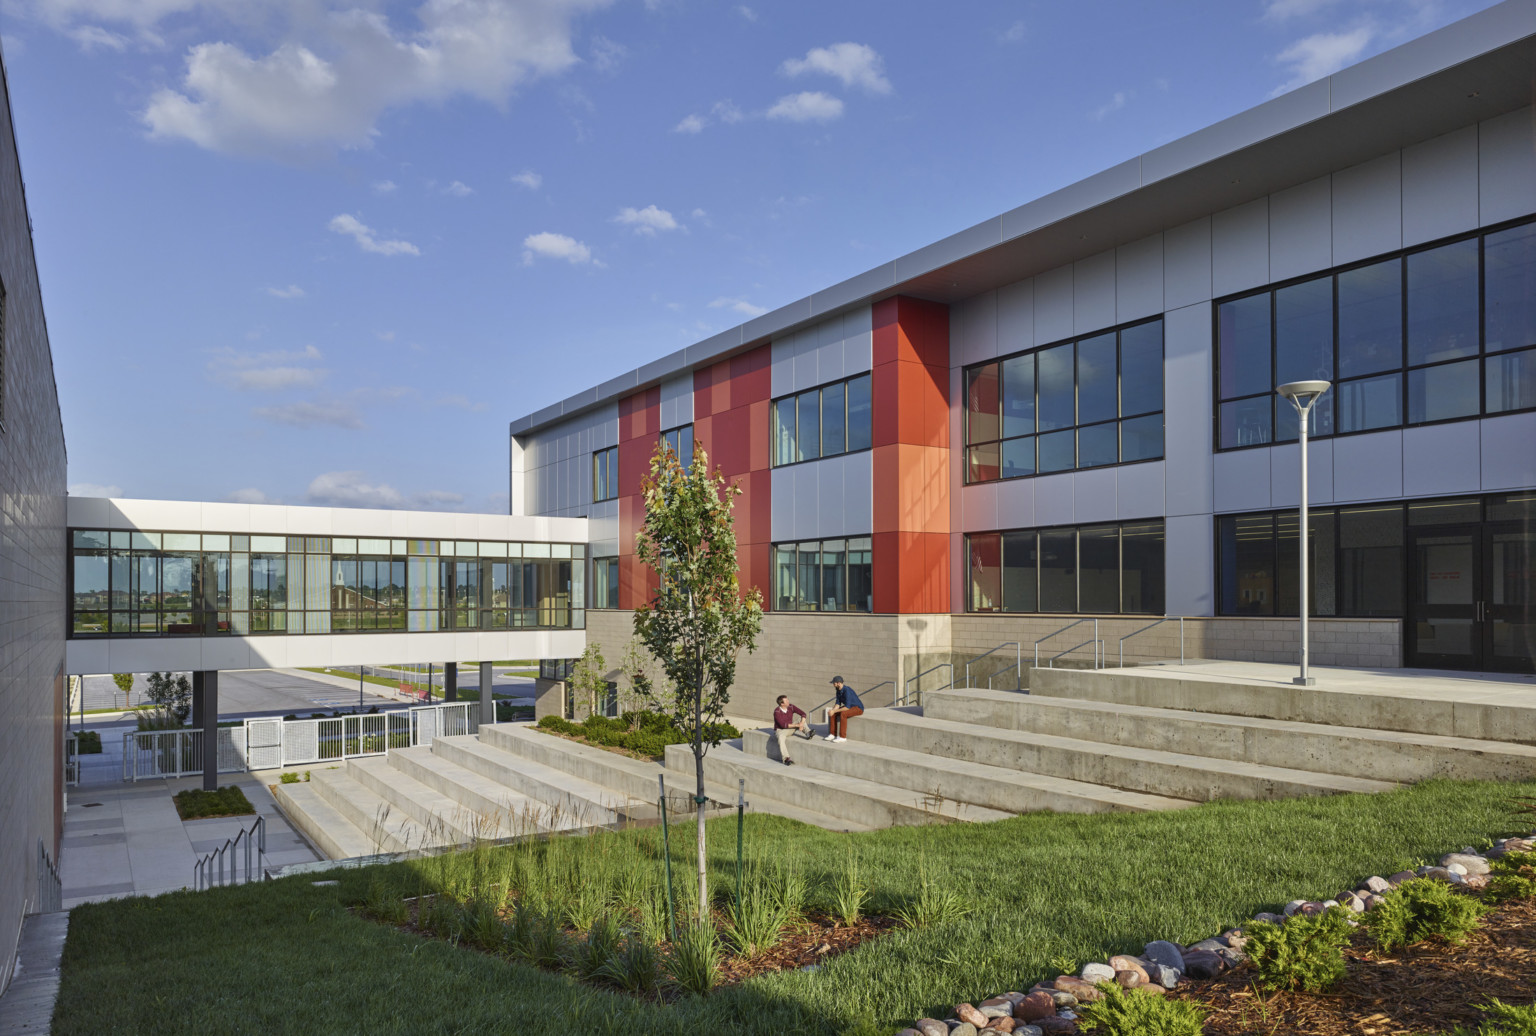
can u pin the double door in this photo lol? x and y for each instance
(1472, 598)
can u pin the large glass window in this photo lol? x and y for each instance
(1355, 561)
(680, 442)
(823, 422)
(1083, 404)
(1101, 568)
(605, 582)
(824, 575)
(1409, 339)
(605, 473)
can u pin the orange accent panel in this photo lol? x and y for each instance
(759, 434)
(883, 346)
(885, 481)
(704, 436)
(924, 331)
(887, 565)
(884, 386)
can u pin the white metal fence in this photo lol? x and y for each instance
(270, 744)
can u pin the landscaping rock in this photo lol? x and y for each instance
(1265, 915)
(1164, 952)
(1354, 903)
(1027, 1030)
(1125, 963)
(1130, 979)
(1293, 906)
(1377, 885)
(1057, 1025)
(931, 1027)
(1085, 992)
(994, 1012)
(963, 1029)
(1004, 1024)
(1165, 976)
(1203, 964)
(967, 1013)
(909, 1032)
(1096, 973)
(1063, 1000)
(1441, 874)
(1400, 877)
(1207, 944)
(1469, 862)
(1153, 988)
(1034, 1007)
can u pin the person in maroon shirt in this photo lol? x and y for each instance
(785, 724)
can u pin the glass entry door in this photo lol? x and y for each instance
(1471, 600)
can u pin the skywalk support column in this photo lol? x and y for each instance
(450, 681)
(205, 697)
(487, 700)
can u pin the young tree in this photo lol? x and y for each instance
(171, 693)
(589, 678)
(124, 683)
(697, 619)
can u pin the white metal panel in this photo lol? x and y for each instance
(782, 504)
(1368, 209)
(1139, 490)
(1187, 264)
(1053, 499)
(1242, 480)
(1139, 279)
(1240, 247)
(1508, 459)
(781, 367)
(1094, 497)
(1015, 316)
(978, 505)
(1191, 575)
(1301, 229)
(807, 502)
(1444, 458)
(1506, 149)
(1093, 293)
(1189, 485)
(829, 350)
(831, 499)
(1053, 305)
(973, 330)
(1016, 503)
(858, 477)
(1285, 473)
(1440, 186)
(1368, 467)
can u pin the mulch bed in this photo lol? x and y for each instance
(1429, 988)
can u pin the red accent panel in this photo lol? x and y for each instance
(887, 551)
(732, 450)
(884, 387)
(752, 376)
(760, 435)
(883, 323)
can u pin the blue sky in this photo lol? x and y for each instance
(321, 251)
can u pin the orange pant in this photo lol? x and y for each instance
(840, 720)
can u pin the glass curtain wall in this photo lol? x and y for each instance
(823, 422)
(1111, 569)
(824, 575)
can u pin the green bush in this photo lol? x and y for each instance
(1305, 953)
(643, 732)
(1120, 1012)
(88, 742)
(1512, 876)
(1423, 909)
(1503, 1020)
(229, 801)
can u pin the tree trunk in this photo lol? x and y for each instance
(698, 766)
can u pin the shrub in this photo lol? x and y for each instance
(1512, 876)
(1423, 909)
(1305, 953)
(694, 959)
(1503, 1020)
(229, 801)
(643, 732)
(1120, 1012)
(88, 742)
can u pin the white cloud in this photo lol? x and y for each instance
(741, 306)
(529, 179)
(343, 65)
(385, 187)
(809, 106)
(1283, 10)
(853, 63)
(459, 189)
(249, 496)
(269, 371)
(555, 246)
(92, 489)
(459, 402)
(439, 498)
(293, 291)
(1013, 34)
(366, 240)
(691, 124)
(94, 37)
(271, 379)
(1322, 55)
(347, 489)
(725, 111)
(1114, 104)
(648, 220)
(746, 12)
(606, 54)
(385, 336)
(312, 414)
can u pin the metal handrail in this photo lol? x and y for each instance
(1098, 653)
(1017, 652)
(50, 889)
(203, 873)
(1018, 676)
(906, 690)
(881, 684)
(1048, 636)
(1144, 629)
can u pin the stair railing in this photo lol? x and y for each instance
(50, 890)
(907, 694)
(253, 840)
(1153, 625)
(1017, 658)
(1098, 645)
(870, 694)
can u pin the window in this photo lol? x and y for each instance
(1355, 561)
(680, 442)
(605, 582)
(824, 575)
(1440, 333)
(605, 471)
(1097, 568)
(823, 422)
(1084, 404)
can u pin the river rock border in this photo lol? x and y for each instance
(1050, 1007)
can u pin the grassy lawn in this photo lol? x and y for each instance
(289, 957)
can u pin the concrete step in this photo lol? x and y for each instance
(448, 820)
(1457, 712)
(570, 800)
(853, 798)
(1387, 755)
(1173, 774)
(319, 822)
(390, 829)
(979, 784)
(478, 805)
(634, 777)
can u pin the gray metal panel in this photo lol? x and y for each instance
(781, 369)
(1139, 490)
(620, 386)
(1191, 577)
(1016, 503)
(1016, 317)
(1242, 480)
(859, 493)
(1054, 503)
(677, 401)
(1368, 467)
(1508, 462)
(782, 504)
(1270, 119)
(1507, 166)
(859, 346)
(1187, 264)
(1094, 496)
(1187, 376)
(1440, 186)
(1440, 458)
(947, 250)
(978, 507)
(1301, 229)
(1139, 279)
(1368, 209)
(1086, 193)
(973, 330)
(1053, 305)
(807, 374)
(829, 350)
(1240, 247)
(807, 500)
(1285, 473)
(854, 289)
(1093, 293)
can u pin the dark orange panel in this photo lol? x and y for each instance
(886, 556)
(911, 404)
(759, 498)
(886, 404)
(759, 435)
(924, 330)
(884, 347)
(634, 463)
(703, 381)
(886, 486)
(704, 436)
(752, 376)
(732, 442)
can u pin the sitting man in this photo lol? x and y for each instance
(848, 706)
(784, 724)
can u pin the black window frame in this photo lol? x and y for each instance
(1076, 530)
(848, 582)
(816, 390)
(676, 446)
(605, 474)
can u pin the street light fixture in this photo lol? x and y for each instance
(1303, 395)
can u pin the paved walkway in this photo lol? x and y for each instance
(27, 1006)
(1426, 684)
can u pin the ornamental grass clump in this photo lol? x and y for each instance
(1305, 954)
(1512, 877)
(849, 893)
(694, 959)
(592, 954)
(1422, 909)
(1503, 1020)
(636, 968)
(1135, 1012)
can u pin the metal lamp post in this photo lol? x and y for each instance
(1303, 395)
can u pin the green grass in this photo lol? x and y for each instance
(289, 957)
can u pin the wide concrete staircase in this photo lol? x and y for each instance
(1082, 741)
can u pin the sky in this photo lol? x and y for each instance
(322, 251)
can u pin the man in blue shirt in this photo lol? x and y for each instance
(848, 706)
